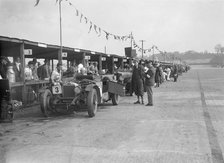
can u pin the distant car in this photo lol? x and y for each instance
(83, 92)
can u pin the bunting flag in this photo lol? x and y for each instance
(99, 31)
(95, 28)
(37, 2)
(107, 35)
(77, 12)
(59, 1)
(81, 18)
(86, 20)
(91, 25)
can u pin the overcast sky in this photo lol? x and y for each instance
(172, 25)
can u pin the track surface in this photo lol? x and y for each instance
(186, 124)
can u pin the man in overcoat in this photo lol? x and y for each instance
(149, 82)
(137, 81)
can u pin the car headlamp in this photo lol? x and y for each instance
(121, 78)
(77, 90)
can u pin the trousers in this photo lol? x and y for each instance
(149, 94)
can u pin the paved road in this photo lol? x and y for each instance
(185, 125)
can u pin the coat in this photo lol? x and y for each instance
(137, 80)
(150, 76)
(17, 71)
(158, 75)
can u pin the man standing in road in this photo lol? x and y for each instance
(149, 82)
(137, 78)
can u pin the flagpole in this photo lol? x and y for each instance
(60, 53)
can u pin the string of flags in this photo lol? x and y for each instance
(99, 31)
(136, 46)
(92, 26)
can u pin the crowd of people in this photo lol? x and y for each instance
(146, 75)
(35, 71)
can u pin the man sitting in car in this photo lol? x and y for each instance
(56, 76)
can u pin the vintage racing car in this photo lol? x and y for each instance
(84, 92)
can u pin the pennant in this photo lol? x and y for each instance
(59, 1)
(81, 18)
(126, 37)
(91, 25)
(95, 28)
(86, 20)
(37, 2)
(107, 35)
(99, 31)
(115, 37)
(77, 12)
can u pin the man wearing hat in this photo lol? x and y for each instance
(149, 82)
(137, 81)
(44, 71)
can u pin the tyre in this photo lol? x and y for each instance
(115, 99)
(45, 102)
(92, 102)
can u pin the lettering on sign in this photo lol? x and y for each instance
(87, 57)
(64, 54)
(103, 58)
(27, 51)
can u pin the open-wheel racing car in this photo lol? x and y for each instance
(85, 92)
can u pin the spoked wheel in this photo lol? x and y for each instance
(115, 99)
(92, 102)
(45, 102)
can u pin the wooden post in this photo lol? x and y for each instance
(83, 60)
(52, 65)
(112, 64)
(24, 90)
(100, 63)
(122, 64)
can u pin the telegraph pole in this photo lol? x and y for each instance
(60, 53)
(142, 46)
(131, 40)
(153, 56)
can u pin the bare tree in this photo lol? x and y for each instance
(222, 50)
(218, 48)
